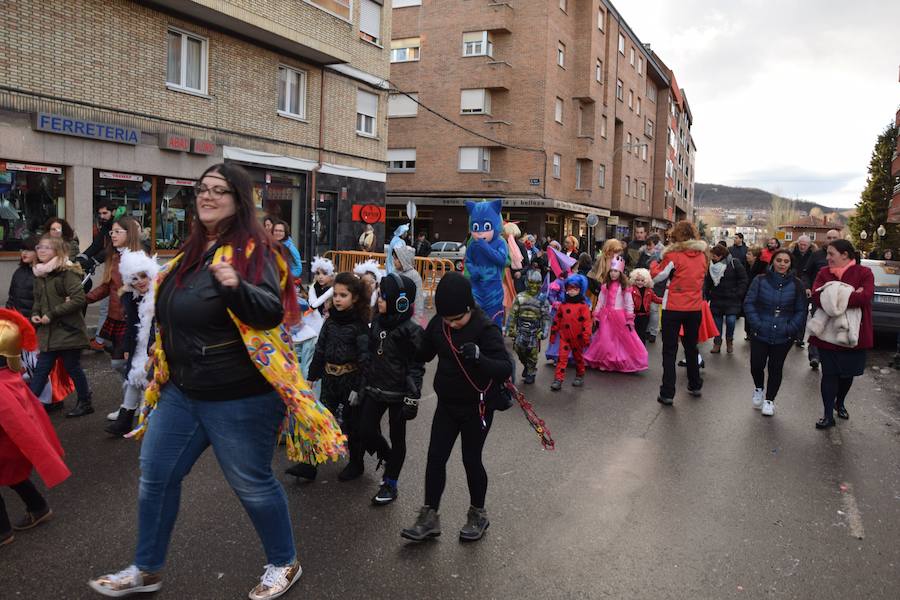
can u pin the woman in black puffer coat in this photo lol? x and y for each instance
(725, 286)
(21, 286)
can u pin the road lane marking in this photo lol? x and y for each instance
(851, 511)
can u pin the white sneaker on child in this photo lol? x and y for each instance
(768, 409)
(758, 397)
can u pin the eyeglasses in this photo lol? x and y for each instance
(43, 247)
(116, 231)
(216, 191)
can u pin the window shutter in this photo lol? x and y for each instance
(473, 36)
(403, 154)
(469, 159)
(367, 104)
(370, 18)
(399, 105)
(472, 100)
(405, 43)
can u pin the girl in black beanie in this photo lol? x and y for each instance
(472, 366)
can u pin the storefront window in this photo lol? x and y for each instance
(162, 205)
(29, 195)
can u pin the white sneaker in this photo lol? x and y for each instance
(113, 415)
(276, 581)
(758, 396)
(768, 408)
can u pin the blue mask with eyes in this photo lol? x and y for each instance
(484, 219)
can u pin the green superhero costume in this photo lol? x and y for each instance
(529, 323)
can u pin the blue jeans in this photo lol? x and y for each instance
(730, 321)
(72, 363)
(242, 434)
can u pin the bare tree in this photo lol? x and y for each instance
(781, 211)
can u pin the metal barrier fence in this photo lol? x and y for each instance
(430, 269)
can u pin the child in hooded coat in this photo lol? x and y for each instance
(392, 380)
(572, 329)
(404, 258)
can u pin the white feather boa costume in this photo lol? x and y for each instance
(131, 264)
(370, 266)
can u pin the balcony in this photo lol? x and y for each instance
(490, 16)
(497, 129)
(584, 146)
(490, 74)
(270, 32)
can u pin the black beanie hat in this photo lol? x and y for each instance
(391, 289)
(453, 296)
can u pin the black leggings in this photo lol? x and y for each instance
(395, 453)
(450, 422)
(774, 354)
(834, 392)
(34, 502)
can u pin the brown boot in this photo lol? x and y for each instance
(729, 344)
(717, 348)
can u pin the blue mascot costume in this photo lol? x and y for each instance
(487, 255)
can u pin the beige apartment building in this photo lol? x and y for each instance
(130, 101)
(551, 105)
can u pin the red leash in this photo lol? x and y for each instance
(537, 423)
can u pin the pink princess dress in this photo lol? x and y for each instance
(615, 345)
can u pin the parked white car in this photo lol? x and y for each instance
(455, 251)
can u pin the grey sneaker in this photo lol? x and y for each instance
(127, 582)
(476, 524)
(556, 385)
(428, 524)
(578, 382)
(276, 581)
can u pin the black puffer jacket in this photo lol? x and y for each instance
(343, 339)
(393, 367)
(490, 371)
(21, 291)
(207, 357)
(727, 297)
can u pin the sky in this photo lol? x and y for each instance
(788, 96)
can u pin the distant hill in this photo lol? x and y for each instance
(722, 196)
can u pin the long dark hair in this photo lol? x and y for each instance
(67, 232)
(132, 242)
(236, 231)
(355, 286)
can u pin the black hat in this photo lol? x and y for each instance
(453, 296)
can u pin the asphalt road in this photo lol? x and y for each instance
(706, 499)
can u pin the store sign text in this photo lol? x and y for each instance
(120, 176)
(14, 166)
(86, 129)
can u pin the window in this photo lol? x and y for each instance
(644, 151)
(627, 186)
(558, 114)
(292, 92)
(561, 54)
(601, 17)
(631, 99)
(186, 62)
(651, 92)
(401, 160)
(340, 8)
(477, 43)
(405, 50)
(631, 56)
(621, 44)
(643, 195)
(637, 108)
(475, 102)
(562, 5)
(603, 126)
(583, 170)
(648, 128)
(366, 113)
(620, 90)
(403, 105)
(598, 72)
(640, 67)
(557, 166)
(601, 176)
(30, 195)
(628, 143)
(670, 169)
(475, 159)
(403, 3)
(370, 21)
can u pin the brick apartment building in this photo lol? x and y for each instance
(894, 207)
(560, 114)
(131, 101)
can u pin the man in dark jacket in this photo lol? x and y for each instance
(739, 251)
(817, 260)
(724, 286)
(423, 246)
(801, 254)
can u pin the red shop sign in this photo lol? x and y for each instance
(14, 166)
(368, 213)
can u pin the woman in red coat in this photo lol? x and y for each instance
(840, 364)
(27, 439)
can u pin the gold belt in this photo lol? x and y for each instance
(337, 370)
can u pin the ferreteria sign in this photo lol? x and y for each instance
(93, 130)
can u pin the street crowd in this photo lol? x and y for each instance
(224, 346)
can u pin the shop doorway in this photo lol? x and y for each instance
(325, 223)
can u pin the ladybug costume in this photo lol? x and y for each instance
(572, 325)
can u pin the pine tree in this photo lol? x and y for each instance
(871, 211)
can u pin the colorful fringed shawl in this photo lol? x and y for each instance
(312, 434)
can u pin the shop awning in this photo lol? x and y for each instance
(513, 202)
(267, 159)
